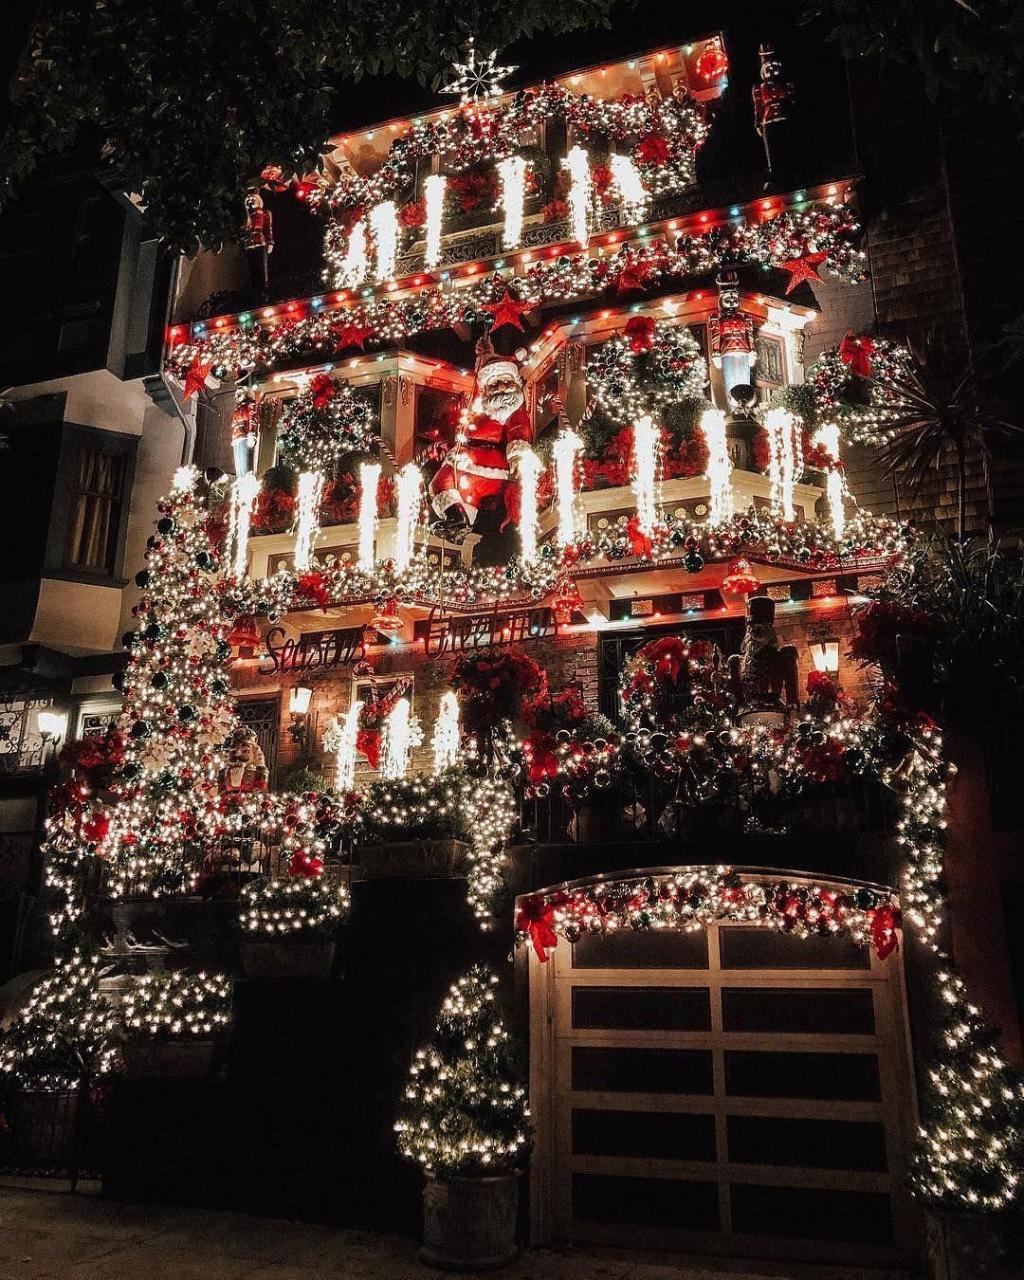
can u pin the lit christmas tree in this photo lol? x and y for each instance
(972, 1143)
(177, 703)
(465, 1106)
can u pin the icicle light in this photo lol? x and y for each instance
(345, 733)
(307, 524)
(446, 736)
(567, 446)
(719, 471)
(398, 739)
(369, 477)
(529, 474)
(644, 473)
(243, 495)
(384, 225)
(784, 440)
(410, 502)
(580, 193)
(631, 190)
(512, 172)
(355, 263)
(827, 437)
(433, 204)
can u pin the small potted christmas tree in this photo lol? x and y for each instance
(172, 1021)
(465, 1122)
(413, 827)
(289, 925)
(62, 1041)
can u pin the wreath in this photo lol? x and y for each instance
(325, 423)
(646, 368)
(495, 686)
(672, 683)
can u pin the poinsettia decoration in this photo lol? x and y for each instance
(494, 684)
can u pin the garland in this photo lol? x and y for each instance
(668, 131)
(302, 906)
(324, 424)
(320, 332)
(177, 1006)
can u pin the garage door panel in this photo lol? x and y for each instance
(639, 1201)
(642, 949)
(614, 1008)
(811, 1142)
(798, 1010)
(808, 1213)
(652, 1135)
(624, 1069)
(810, 1076)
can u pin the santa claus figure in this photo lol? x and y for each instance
(731, 334)
(483, 462)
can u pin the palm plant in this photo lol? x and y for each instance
(942, 407)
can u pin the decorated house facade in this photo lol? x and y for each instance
(532, 592)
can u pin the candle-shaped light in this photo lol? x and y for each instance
(344, 735)
(784, 451)
(397, 743)
(446, 736)
(529, 473)
(307, 523)
(410, 504)
(827, 437)
(356, 261)
(581, 192)
(719, 469)
(243, 496)
(512, 174)
(632, 193)
(644, 472)
(567, 446)
(433, 206)
(369, 477)
(384, 225)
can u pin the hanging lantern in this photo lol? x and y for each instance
(740, 580)
(386, 616)
(566, 602)
(245, 636)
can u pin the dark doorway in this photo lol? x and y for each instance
(263, 716)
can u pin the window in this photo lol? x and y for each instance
(768, 372)
(95, 519)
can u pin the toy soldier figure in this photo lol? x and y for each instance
(731, 334)
(258, 239)
(482, 463)
(244, 434)
(763, 669)
(246, 769)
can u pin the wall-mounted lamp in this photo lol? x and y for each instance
(52, 725)
(298, 707)
(825, 655)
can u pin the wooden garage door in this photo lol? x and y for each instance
(732, 1091)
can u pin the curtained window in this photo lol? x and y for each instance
(95, 511)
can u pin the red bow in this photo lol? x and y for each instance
(653, 149)
(312, 584)
(539, 749)
(535, 918)
(640, 332)
(95, 828)
(323, 390)
(669, 657)
(885, 920)
(303, 864)
(639, 543)
(856, 352)
(195, 377)
(368, 741)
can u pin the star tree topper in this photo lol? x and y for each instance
(474, 79)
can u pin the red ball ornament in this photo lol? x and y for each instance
(741, 579)
(712, 62)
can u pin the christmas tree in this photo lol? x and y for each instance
(465, 1108)
(971, 1146)
(177, 709)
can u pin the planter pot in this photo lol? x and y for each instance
(469, 1224)
(975, 1246)
(291, 958)
(45, 1122)
(413, 860)
(170, 1059)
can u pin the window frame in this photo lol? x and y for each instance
(75, 441)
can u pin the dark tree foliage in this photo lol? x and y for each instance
(187, 102)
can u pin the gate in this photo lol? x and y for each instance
(733, 1090)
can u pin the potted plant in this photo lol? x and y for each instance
(465, 1121)
(172, 1021)
(61, 1042)
(289, 925)
(414, 827)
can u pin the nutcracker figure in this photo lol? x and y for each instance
(731, 334)
(244, 434)
(483, 462)
(763, 670)
(771, 97)
(246, 769)
(258, 239)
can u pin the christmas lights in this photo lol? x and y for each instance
(827, 438)
(307, 522)
(433, 200)
(650, 366)
(785, 459)
(340, 739)
(630, 187)
(177, 1006)
(447, 736)
(352, 268)
(581, 193)
(410, 506)
(384, 227)
(401, 733)
(719, 468)
(292, 908)
(644, 473)
(512, 173)
(528, 473)
(325, 423)
(369, 478)
(566, 449)
(243, 497)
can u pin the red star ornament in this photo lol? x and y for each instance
(352, 335)
(195, 377)
(506, 311)
(801, 269)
